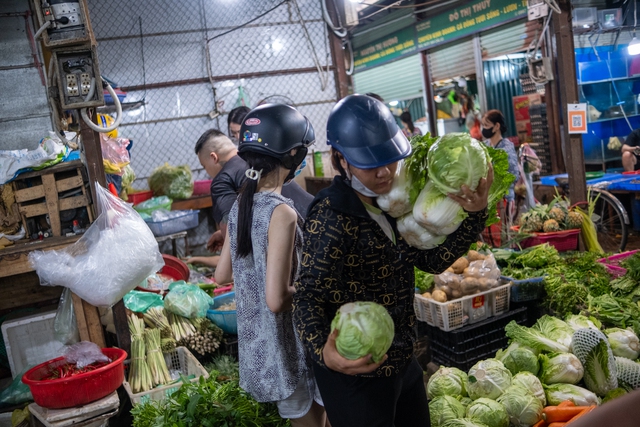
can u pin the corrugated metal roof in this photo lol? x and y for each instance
(506, 39)
(452, 60)
(401, 79)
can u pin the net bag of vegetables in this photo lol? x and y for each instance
(172, 181)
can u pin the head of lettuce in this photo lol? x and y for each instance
(365, 327)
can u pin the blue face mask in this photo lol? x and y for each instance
(300, 168)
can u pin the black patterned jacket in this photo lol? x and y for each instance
(347, 257)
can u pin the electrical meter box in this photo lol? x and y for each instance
(67, 22)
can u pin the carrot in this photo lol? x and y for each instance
(541, 423)
(553, 414)
(557, 424)
(583, 413)
(566, 403)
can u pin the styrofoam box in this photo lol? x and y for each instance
(30, 340)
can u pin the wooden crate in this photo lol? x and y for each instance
(51, 191)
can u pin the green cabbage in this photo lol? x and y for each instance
(466, 401)
(556, 329)
(488, 378)
(524, 408)
(447, 381)
(531, 383)
(558, 393)
(437, 212)
(489, 412)
(463, 422)
(443, 409)
(518, 358)
(365, 328)
(623, 342)
(593, 350)
(533, 338)
(578, 321)
(455, 160)
(560, 368)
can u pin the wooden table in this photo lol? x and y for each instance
(201, 201)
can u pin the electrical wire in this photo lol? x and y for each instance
(347, 45)
(324, 78)
(87, 119)
(41, 30)
(248, 22)
(339, 31)
(554, 6)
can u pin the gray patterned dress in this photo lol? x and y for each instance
(272, 358)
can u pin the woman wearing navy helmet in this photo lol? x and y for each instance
(353, 252)
(261, 255)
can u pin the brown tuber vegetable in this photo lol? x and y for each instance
(460, 264)
(439, 295)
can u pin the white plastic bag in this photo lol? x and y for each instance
(114, 255)
(50, 151)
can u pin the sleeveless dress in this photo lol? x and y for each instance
(272, 359)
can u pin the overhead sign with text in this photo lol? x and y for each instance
(466, 20)
(385, 49)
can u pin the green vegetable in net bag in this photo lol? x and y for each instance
(172, 181)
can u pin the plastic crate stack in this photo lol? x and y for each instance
(462, 348)
(540, 136)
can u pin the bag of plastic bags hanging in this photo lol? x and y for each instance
(187, 300)
(115, 254)
(65, 327)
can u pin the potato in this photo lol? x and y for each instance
(427, 295)
(484, 284)
(450, 270)
(469, 285)
(446, 289)
(439, 295)
(475, 256)
(460, 264)
(456, 293)
(454, 282)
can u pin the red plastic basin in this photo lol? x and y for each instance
(174, 267)
(79, 389)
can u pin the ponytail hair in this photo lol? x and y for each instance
(266, 165)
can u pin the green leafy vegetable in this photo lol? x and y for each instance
(517, 358)
(531, 383)
(488, 378)
(578, 321)
(593, 351)
(556, 329)
(623, 342)
(614, 394)
(443, 409)
(558, 393)
(523, 408)
(449, 382)
(463, 422)
(489, 412)
(560, 368)
(437, 212)
(502, 181)
(424, 280)
(172, 181)
(533, 338)
(417, 163)
(365, 328)
(628, 372)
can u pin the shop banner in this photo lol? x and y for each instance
(385, 49)
(466, 20)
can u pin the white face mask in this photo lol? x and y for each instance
(357, 185)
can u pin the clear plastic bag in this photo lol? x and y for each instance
(115, 155)
(65, 327)
(187, 300)
(115, 254)
(84, 354)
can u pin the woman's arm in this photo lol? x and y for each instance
(224, 270)
(210, 261)
(282, 231)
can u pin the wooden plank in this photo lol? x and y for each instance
(33, 210)
(51, 196)
(78, 308)
(26, 194)
(73, 202)
(122, 326)
(15, 259)
(22, 290)
(69, 183)
(194, 202)
(94, 327)
(60, 167)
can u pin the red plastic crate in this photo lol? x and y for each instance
(566, 240)
(139, 196)
(79, 389)
(612, 263)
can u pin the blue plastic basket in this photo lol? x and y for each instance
(227, 320)
(525, 289)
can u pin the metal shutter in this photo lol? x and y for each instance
(452, 60)
(399, 80)
(506, 39)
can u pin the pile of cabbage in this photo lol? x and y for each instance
(546, 364)
(437, 167)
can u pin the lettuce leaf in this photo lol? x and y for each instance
(502, 181)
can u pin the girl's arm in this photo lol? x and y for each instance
(282, 230)
(224, 271)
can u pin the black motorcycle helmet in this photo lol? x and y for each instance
(365, 132)
(274, 130)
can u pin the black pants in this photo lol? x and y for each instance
(396, 401)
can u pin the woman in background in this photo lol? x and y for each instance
(408, 127)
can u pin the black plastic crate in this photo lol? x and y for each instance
(462, 348)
